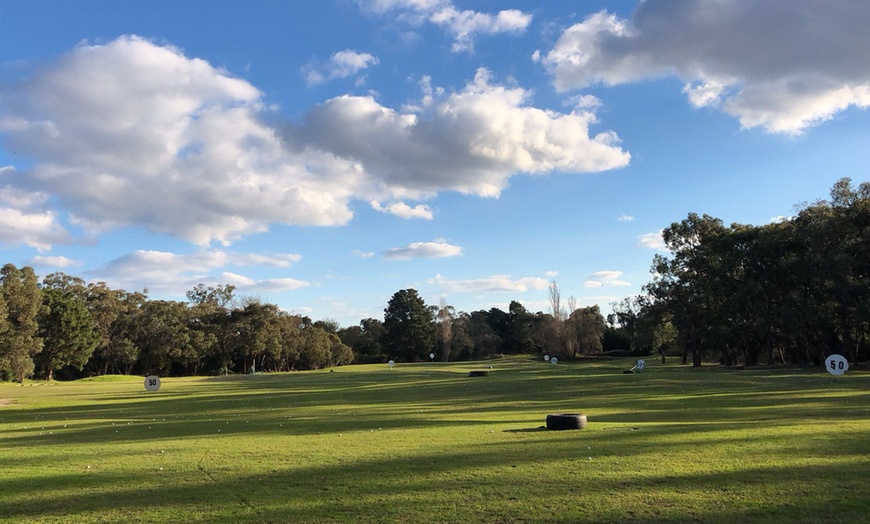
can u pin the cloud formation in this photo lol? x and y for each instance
(463, 25)
(653, 241)
(168, 273)
(342, 64)
(403, 210)
(490, 284)
(606, 278)
(423, 250)
(779, 65)
(135, 134)
(471, 141)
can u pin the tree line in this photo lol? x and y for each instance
(793, 291)
(63, 326)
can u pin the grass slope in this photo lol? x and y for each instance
(426, 443)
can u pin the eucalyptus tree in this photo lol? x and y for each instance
(20, 341)
(67, 330)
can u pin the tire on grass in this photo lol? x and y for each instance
(562, 421)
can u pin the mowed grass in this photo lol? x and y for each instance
(426, 443)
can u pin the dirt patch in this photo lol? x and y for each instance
(5, 402)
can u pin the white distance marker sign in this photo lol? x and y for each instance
(641, 364)
(836, 364)
(152, 383)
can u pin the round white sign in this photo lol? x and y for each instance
(431, 355)
(836, 364)
(547, 358)
(641, 364)
(152, 383)
(554, 360)
(391, 364)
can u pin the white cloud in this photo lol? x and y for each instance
(59, 262)
(403, 210)
(490, 284)
(273, 285)
(38, 230)
(175, 274)
(653, 241)
(463, 25)
(625, 218)
(551, 274)
(470, 141)
(363, 254)
(423, 250)
(135, 134)
(341, 64)
(782, 65)
(606, 278)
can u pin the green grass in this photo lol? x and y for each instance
(425, 443)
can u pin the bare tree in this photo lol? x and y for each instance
(557, 327)
(445, 327)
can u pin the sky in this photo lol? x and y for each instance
(324, 154)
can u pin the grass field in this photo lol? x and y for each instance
(425, 443)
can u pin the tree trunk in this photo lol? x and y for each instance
(50, 374)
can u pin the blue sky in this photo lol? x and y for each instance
(325, 154)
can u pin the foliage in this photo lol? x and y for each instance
(67, 330)
(19, 338)
(410, 327)
(792, 292)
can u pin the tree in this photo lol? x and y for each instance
(445, 328)
(20, 341)
(626, 315)
(410, 326)
(555, 329)
(67, 330)
(365, 340)
(316, 348)
(586, 328)
(163, 336)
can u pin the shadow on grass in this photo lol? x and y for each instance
(474, 485)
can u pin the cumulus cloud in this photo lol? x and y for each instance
(779, 65)
(606, 278)
(341, 64)
(136, 134)
(653, 241)
(625, 218)
(471, 141)
(463, 25)
(174, 274)
(133, 133)
(423, 250)
(490, 284)
(403, 210)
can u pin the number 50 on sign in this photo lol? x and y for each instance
(836, 364)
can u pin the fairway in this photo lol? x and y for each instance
(428, 443)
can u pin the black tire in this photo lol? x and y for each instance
(566, 421)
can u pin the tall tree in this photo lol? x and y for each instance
(67, 330)
(21, 341)
(410, 326)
